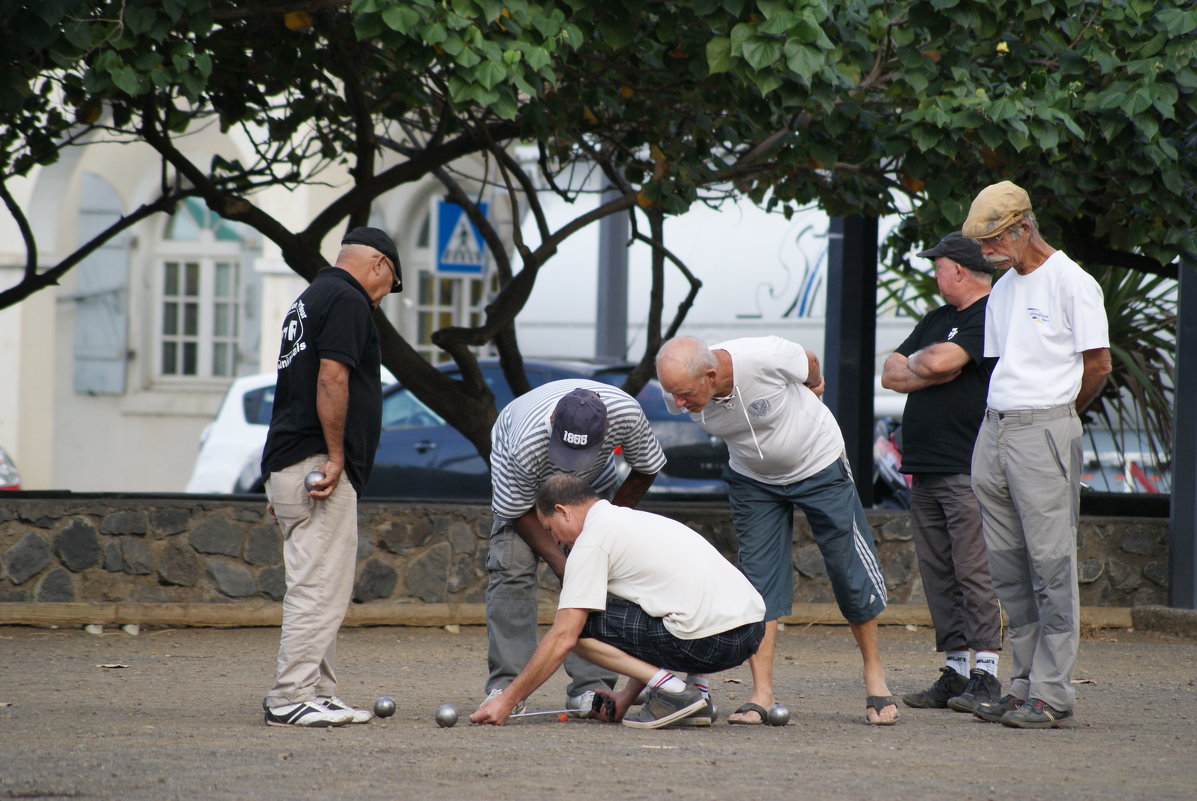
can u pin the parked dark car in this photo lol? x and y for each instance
(420, 456)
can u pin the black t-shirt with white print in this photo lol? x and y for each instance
(332, 319)
(940, 423)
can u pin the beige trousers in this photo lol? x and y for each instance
(320, 556)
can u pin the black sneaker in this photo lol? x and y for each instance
(983, 687)
(663, 707)
(948, 685)
(994, 712)
(1036, 714)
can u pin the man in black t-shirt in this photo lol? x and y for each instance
(327, 417)
(942, 367)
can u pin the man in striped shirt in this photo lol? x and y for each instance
(569, 426)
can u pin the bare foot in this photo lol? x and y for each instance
(887, 715)
(751, 716)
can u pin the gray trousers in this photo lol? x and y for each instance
(1026, 468)
(953, 562)
(511, 618)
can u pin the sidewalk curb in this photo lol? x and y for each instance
(1182, 622)
(1166, 620)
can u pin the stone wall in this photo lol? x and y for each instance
(213, 549)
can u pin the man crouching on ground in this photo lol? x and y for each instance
(643, 596)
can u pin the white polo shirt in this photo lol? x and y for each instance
(777, 430)
(666, 568)
(1037, 325)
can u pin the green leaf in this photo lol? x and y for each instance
(505, 107)
(778, 24)
(203, 63)
(470, 58)
(740, 34)
(802, 60)
(718, 55)
(401, 18)
(617, 34)
(1148, 126)
(490, 74)
(925, 137)
(128, 80)
(766, 81)
(1178, 22)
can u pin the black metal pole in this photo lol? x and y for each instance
(851, 340)
(1182, 528)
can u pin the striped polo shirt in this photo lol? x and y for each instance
(519, 461)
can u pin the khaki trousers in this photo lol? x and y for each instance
(1026, 468)
(320, 557)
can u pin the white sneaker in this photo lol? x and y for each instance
(331, 702)
(518, 708)
(582, 705)
(312, 714)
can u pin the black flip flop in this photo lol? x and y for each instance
(749, 707)
(878, 703)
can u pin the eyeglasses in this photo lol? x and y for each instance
(397, 283)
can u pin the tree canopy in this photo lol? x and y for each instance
(863, 107)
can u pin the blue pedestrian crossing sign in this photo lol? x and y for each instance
(460, 247)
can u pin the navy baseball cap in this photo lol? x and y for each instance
(579, 423)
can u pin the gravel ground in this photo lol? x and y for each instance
(174, 714)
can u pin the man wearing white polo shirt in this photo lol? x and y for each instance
(1046, 323)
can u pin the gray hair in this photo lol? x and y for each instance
(689, 353)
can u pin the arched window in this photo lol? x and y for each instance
(200, 270)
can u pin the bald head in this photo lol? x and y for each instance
(684, 358)
(689, 372)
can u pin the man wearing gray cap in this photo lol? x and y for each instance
(1046, 324)
(569, 426)
(327, 417)
(942, 367)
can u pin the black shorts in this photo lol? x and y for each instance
(629, 628)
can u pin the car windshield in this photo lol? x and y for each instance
(402, 409)
(257, 405)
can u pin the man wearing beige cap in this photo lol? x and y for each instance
(1046, 324)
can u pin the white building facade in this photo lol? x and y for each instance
(108, 380)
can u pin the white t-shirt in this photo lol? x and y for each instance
(777, 430)
(666, 568)
(519, 459)
(1037, 325)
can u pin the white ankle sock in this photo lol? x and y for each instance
(700, 683)
(958, 661)
(987, 661)
(664, 680)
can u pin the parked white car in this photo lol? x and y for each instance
(10, 478)
(238, 431)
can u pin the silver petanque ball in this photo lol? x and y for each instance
(778, 715)
(384, 707)
(309, 481)
(446, 716)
